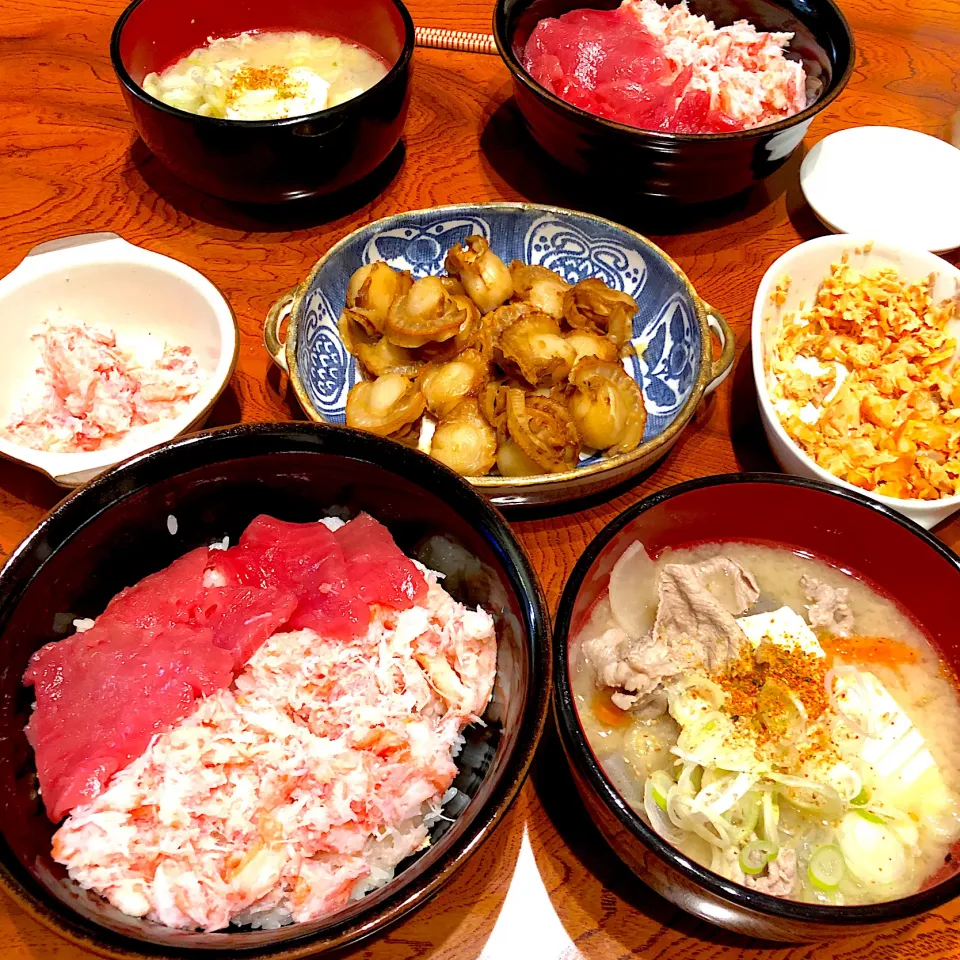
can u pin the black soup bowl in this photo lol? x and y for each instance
(674, 167)
(266, 161)
(846, 530)
(114, 531)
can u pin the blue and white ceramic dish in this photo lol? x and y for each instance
(673, 325)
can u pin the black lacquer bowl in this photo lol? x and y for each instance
(266, 161)
(845, 529)
(114, 531)
(681, 168)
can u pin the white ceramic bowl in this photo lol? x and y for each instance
(886, 182)
(807, 265)
(100, 278)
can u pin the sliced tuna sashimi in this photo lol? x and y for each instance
(379, 569)
(168, 596)
(306, 559)
(242, 618)
(103, 694)
(661, 67)
(169, 639)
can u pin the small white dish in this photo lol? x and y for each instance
(100, 278)
(893, 184)
(808, 265)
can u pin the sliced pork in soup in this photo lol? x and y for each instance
(776, 720)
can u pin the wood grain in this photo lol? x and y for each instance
(70, 162)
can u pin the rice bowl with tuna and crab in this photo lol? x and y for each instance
(259, 734)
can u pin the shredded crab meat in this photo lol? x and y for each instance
(301, 787)
(88, 392)
(744, 70)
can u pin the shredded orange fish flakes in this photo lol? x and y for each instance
(880, 407)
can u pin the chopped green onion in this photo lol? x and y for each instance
(861, 798)
(756, 855)
(870, 816)
(808, 796)
(771, 817)
(826, 867)
(745, 815)
(660, 784)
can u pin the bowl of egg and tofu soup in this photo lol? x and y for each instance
(855, 347)
(543, 354)
(755, 685)
(266, 102)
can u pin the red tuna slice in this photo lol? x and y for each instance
(276, 553)
(241, 619)
(626, 102)
(306, 559)
(692, 112)
(162, 598)
(545, 69)
(338, 614)
(378, 568)
(103, 694)
(606, 51)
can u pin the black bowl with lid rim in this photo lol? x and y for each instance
(675, 167)
(266, 161)
(846, 529)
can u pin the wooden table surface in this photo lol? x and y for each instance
(71, 163)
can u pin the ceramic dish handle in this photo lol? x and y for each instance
(728, 348)
(271, 328)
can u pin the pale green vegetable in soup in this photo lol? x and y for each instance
(266, 76)
(775, 719)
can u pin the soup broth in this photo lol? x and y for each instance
(807, 754)
(267, 76)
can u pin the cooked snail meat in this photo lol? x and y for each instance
(607, 406)
(409, 434)
(444, 385)
(384, 357)
(483, 274)
(467, 337)
(539, 286)
(544, 430)
(513, 462)
(589, 344)
(372, 289)
(494, 323)
(464, 441)
(592, 305)
(453, 286)
(385, 405)
(355, 332)
(536, 347)
(425, 313)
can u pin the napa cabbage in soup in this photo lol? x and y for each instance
(267, 76)
(776, 720)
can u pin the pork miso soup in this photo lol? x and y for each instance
(776, 720)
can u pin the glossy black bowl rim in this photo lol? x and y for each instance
(340, 111)
(520, 74)
(221, 445)
(582, 756)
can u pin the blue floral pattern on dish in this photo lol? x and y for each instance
(332, 370)
(422, 248)
(576, 245)
(561, 246)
